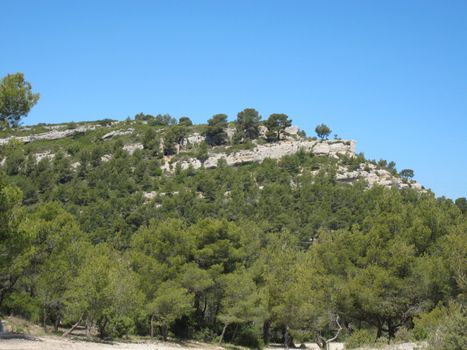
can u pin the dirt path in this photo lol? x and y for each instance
(58, 343)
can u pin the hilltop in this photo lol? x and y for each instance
(45, 140)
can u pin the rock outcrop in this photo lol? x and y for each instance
(114, 133)
(271, 150)
(132, 147)
(374, 176)
(49, 135)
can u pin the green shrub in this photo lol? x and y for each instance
(403, 335)
(359, 338)
(205, 334)
(250, 337)
(381, 341)
(122, 326)
(451, 333)
(427, 323)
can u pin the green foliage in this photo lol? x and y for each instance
(158, 120)
(241, 302)
(259, 249)
(323, 131)
(170, 303)
(247, 124)
(122, 326)
(444, 327)
(174, 139)
(15, 242)
(403, 335)
(16, 99)
(185, 121)
(462, 204)
(111, 290)
(276, 125)
(406, 173)
(215, 131)
(359, 338)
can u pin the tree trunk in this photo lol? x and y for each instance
(164, 332)
(152, 326)
(44, 319)
(101, 325)
(266, 329)
(286, 338)
(88, 329)
(57, 323)
(222, 334)
(234, 333)
(379, 331)
(392, 329)
(72, 328)
(339, 329)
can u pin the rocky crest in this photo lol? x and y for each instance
(271, 150)
(49, 135)
(293, 143)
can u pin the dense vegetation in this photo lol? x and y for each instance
(251, 254)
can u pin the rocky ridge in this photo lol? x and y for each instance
(292, 144)
(261, 152)
(53, 134)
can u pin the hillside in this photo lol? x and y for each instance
(247, 232)
(45, 140)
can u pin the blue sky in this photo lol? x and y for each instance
(390, 74)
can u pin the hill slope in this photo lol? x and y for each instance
(135, 228)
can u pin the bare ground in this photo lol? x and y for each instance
(59, 343)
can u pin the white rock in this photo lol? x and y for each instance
(75, 165)
(336, 346)
(230, 133)
(47, 154)
(50, 135)
(262, 131)
(193, 139)
(292, 130)
(271, 150)
(106, 157)
(149, 195)
(132, 147)
(114, 133)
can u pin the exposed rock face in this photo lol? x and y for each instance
(193, 139)
(47, 154)
(374, 176)
(132, 147)
(106, 157)
(272, 151)
(50, 135)
(117, 133)
(292, 143)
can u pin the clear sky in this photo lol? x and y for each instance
(390, 74)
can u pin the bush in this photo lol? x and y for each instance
(426, 323)
(122, 326)
(359, 338)
(451, 334)
(205, 334)
(403, 335)
(381, 341)
(445, 328)
(250, 337)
